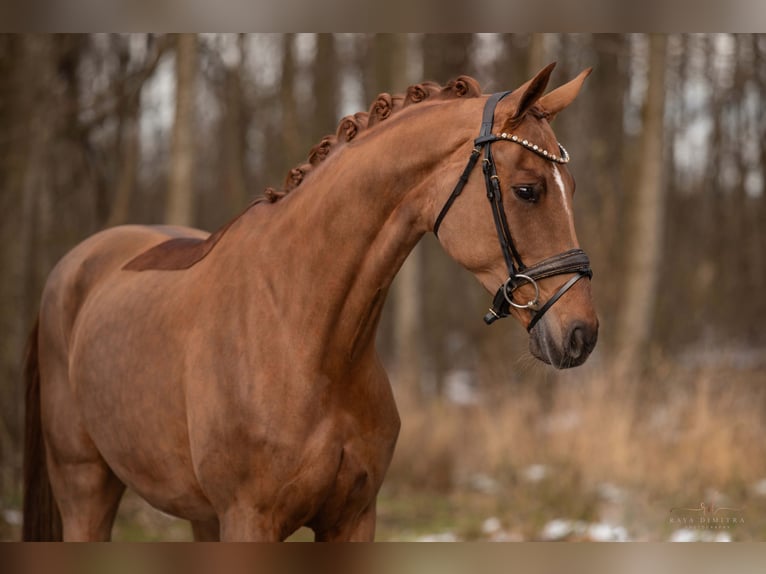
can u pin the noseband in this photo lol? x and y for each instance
(571, 261)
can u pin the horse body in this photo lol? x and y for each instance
(160, 425)
(244, 393)
(227, 403)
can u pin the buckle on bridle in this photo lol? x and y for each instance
(512, 283)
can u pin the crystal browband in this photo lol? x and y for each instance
(563, 158)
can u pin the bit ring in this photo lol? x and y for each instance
(509, 294)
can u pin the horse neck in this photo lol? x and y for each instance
(328, 252)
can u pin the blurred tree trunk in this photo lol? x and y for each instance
(389, 55)
(512, 63)
(758, 247)
(17, 97)
(646, 220)
(289, 129)
(446, 56)
(32, 114)
(235, 122)
(743, 222)
(180, 205)
(453, 309)
(387, 65)
(326, 91)
(536, 56)
(712, 234)
(127, 146)
(9, 48)
(603, 140)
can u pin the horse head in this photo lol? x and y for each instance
(521, 244)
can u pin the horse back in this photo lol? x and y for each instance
(79, 273)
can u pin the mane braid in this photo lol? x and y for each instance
(381, 109)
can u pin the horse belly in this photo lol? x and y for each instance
(128, 381)
(144, 441)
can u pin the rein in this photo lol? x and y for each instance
(571, 261)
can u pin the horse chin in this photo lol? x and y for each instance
(546, 348)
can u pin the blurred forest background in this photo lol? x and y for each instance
(668, 141)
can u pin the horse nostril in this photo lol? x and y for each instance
(576, 341)
(581, 341)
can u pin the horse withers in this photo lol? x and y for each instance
(232, 380)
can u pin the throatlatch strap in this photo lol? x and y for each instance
(458, 188)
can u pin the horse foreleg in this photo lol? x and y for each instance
(362, 529)
(206, 530)
(244, 523)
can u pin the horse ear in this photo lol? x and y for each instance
(555, 101)
(531, 91)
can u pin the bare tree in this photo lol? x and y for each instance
(446, 56)
(537, 56)
(291, 137)
(40, 168)
(180, 205)
(386, 71)
(127, 108)
(646, 221)
(325, 87)
(234, 123)
(510, 69)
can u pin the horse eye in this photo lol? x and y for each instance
(525, 192)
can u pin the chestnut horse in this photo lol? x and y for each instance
(232, 380)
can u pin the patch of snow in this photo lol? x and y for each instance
(759, 488)
(503, 536)
(559, 529)
(556, 529)
(689, 535)
(535, 472)
(610, 492)
(491, 525)
(12, 516)
(461, 388)
(564, 422)
(722, 537)
(684, 535)
(438, 537)
(603, 532)
(483, 483)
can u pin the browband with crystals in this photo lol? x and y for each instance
(563, 158)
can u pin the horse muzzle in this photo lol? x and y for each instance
(569, 347)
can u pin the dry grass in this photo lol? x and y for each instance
(676, 438)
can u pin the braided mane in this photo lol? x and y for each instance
(380, 110)
(184, 252)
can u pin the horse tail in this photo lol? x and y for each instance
(42, 521)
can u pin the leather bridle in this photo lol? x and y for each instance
(571, 261)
